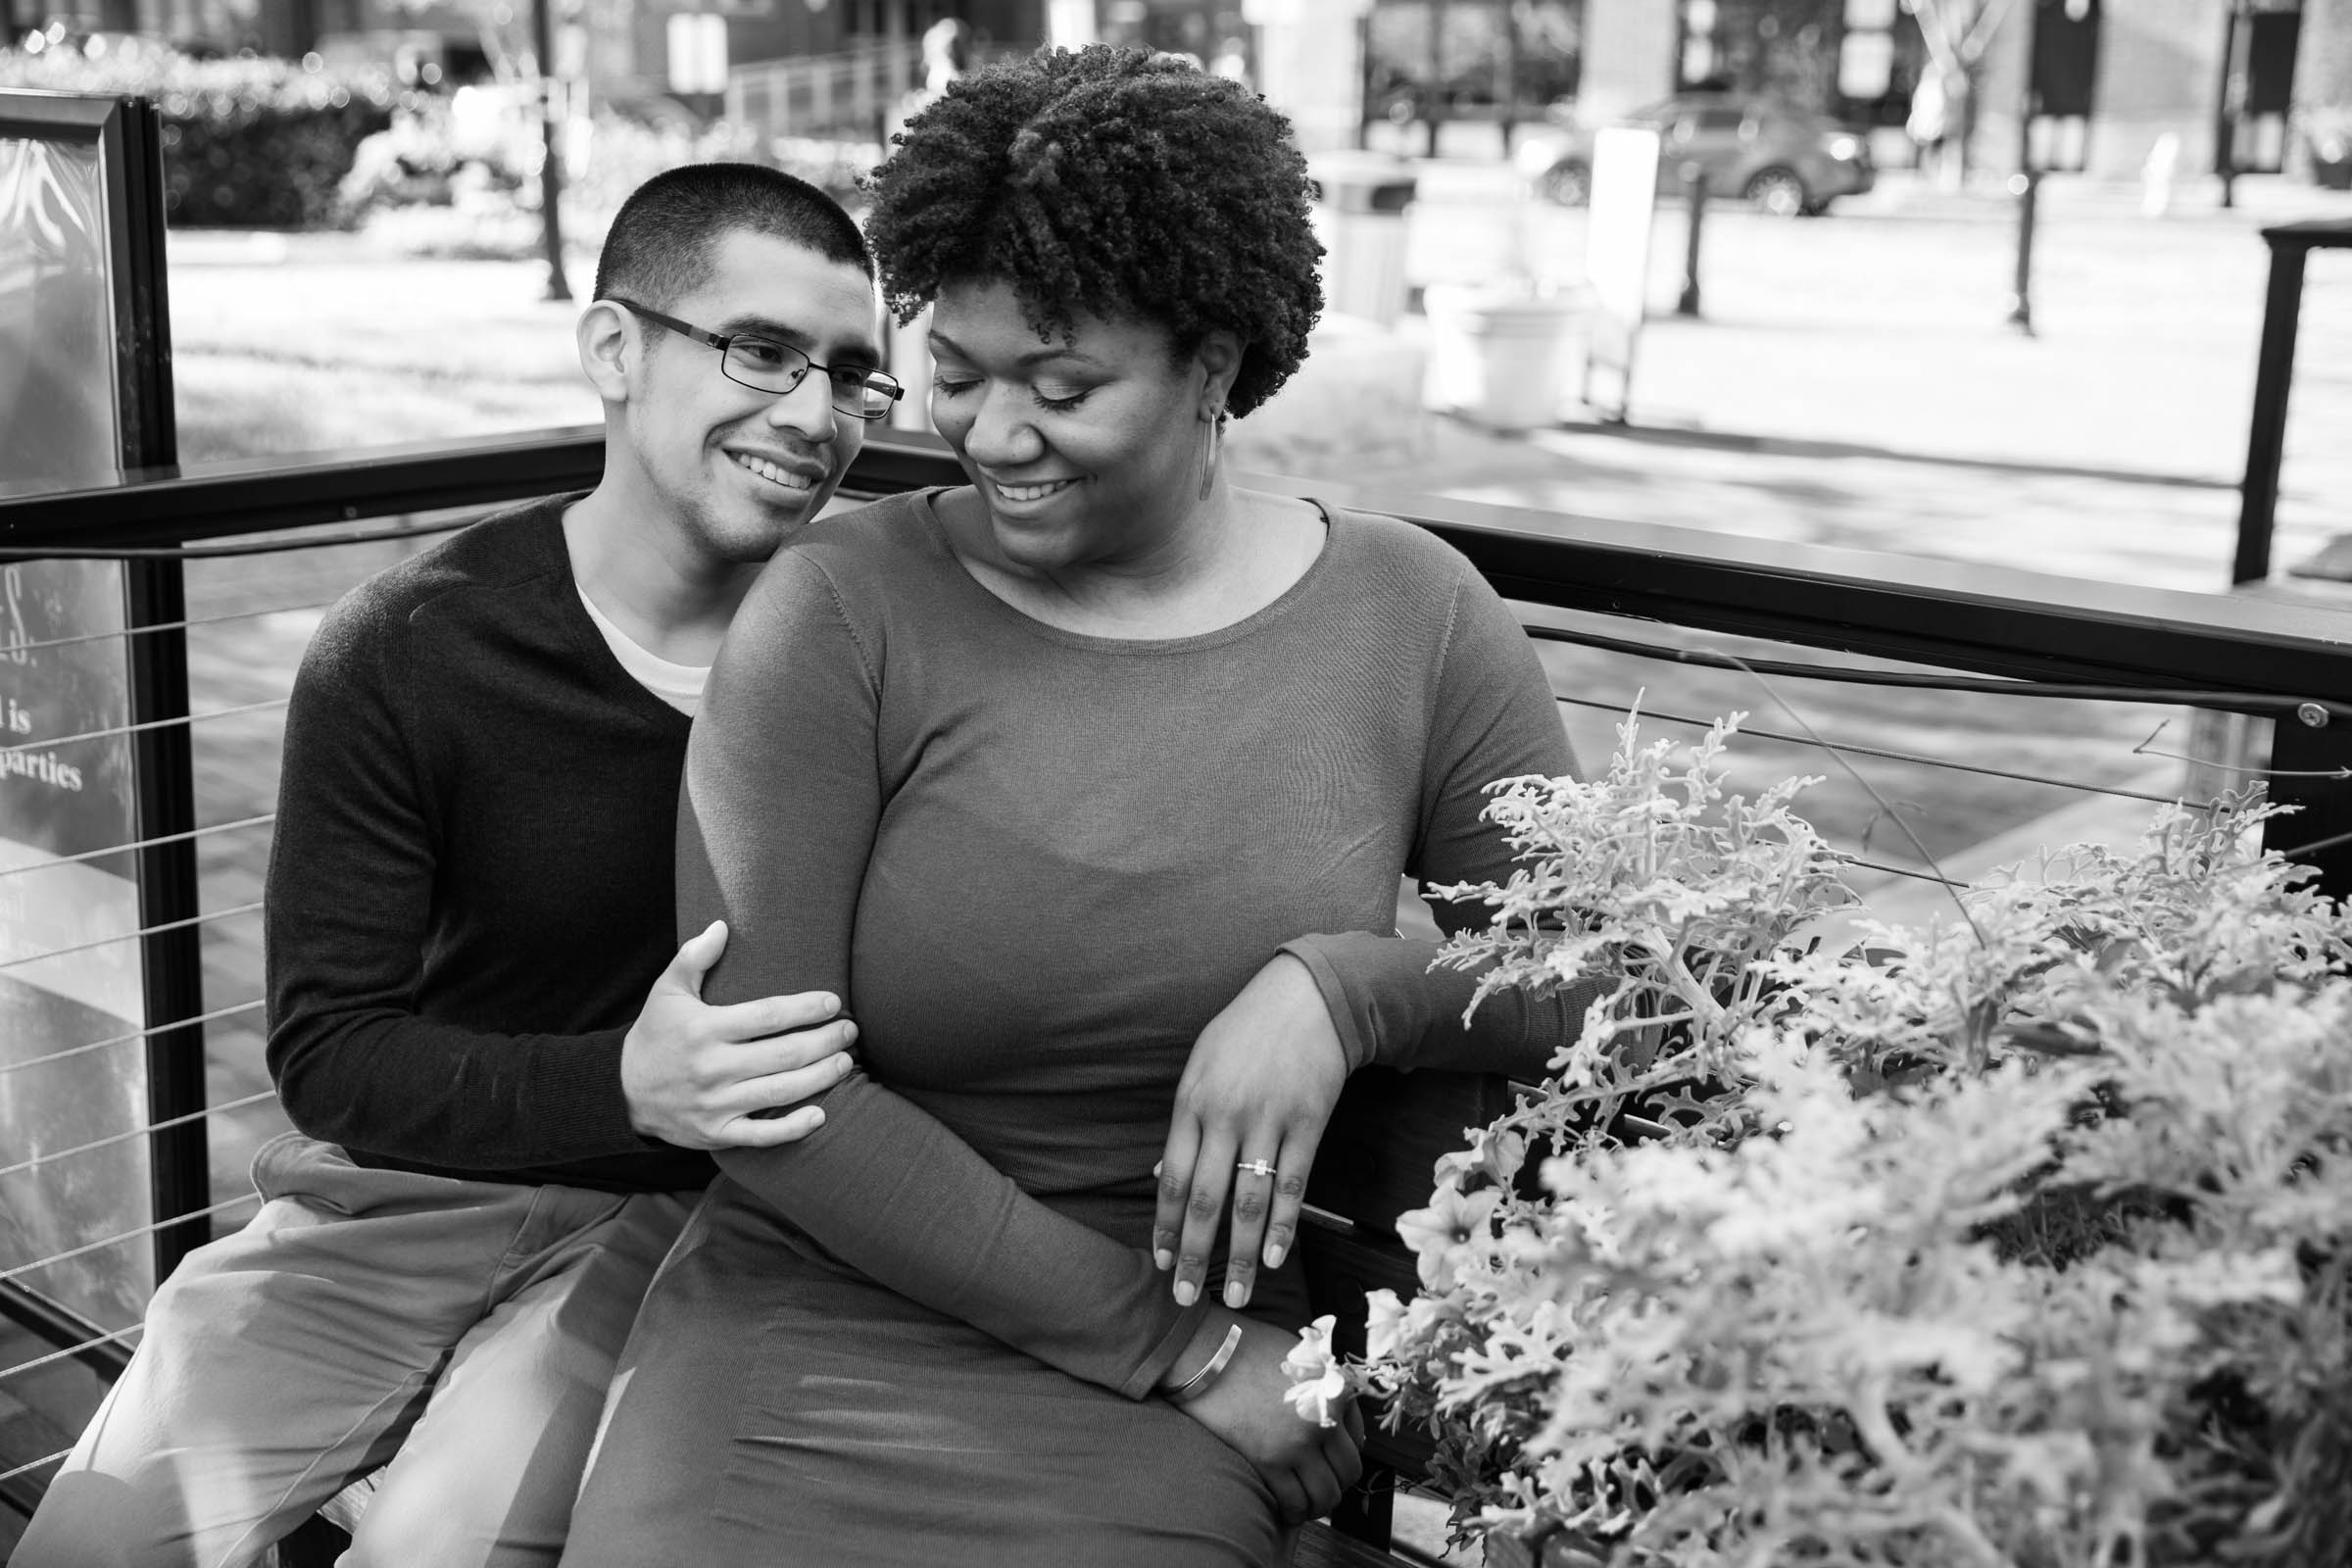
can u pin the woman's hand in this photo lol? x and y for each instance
(1305, 1466)
(1259, 1087)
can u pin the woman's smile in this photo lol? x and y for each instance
(1022, 494)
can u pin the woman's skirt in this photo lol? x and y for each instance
(773, 1409)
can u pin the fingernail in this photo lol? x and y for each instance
(1155, 1164)
(1162, 1260)
(848, 1033)
(829, 1004)
(1235, 1294)
(1185, 1292)
(1275, 1253)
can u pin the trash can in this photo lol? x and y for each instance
(1498, 356)
(1360, 219)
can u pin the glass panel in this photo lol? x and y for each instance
(57, 412)
(60, 797)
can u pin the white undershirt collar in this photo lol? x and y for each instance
(678, 685)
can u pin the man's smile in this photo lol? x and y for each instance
(798, 478)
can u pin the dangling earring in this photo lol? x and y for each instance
(1215, 427)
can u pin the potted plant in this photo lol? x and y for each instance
(2018, 1240)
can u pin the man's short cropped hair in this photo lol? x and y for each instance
(664, 243)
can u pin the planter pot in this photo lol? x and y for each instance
(1500, 356)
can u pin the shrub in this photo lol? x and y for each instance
(2023, 1240)
(248, 143)
(625, 152)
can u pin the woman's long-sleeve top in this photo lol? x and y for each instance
(1036, 863)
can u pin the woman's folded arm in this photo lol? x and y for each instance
(1393, 1009)
(1492, 716)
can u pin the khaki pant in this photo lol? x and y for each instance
(463, 1332)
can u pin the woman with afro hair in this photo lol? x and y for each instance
(1087, 786)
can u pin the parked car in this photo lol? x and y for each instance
(1784, 160)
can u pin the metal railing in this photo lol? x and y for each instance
(1622, 602)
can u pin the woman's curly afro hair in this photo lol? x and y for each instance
(1110, 181)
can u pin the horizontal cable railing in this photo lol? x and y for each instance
(113, 730)
(133, 1233)
(190, 835)
(1965, 635)
(193, 920)
(112, 1139)
(135, 1036)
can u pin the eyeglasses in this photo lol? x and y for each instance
(766, 366)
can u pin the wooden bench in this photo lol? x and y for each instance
(1373, 1164)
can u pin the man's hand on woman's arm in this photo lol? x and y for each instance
(1305, 1466)
(703, 1076)
(1258, 1089)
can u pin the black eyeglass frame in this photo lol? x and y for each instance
(875, 380)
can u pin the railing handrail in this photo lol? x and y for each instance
(1992, 620)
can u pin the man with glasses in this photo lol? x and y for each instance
(507, 1085)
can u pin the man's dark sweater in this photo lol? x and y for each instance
(471, 889)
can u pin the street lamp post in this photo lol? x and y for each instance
(551, 168)
(1695, 190)
(2027, 185)
(2228, 102)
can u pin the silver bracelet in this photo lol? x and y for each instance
(1196, 1385)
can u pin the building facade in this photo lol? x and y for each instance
(2253, 82)
(2201, 83)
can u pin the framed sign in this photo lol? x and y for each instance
(89, 395)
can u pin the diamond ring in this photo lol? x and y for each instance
(1256, 1167)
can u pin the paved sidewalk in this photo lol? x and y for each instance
(1853, 379)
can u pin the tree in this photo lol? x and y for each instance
(1958, 34)
(2323, 80)
(1780, 49)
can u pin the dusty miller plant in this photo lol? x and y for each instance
(2019, 1239)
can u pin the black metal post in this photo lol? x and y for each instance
(172, 967)
(2266, 437)
(1506, 70)
(1432, 103)
(163, 775)
(2021, 297)
(2224, 108)
(2300, 748)
(2028, 184)
(1694, 187)
(551, 165)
